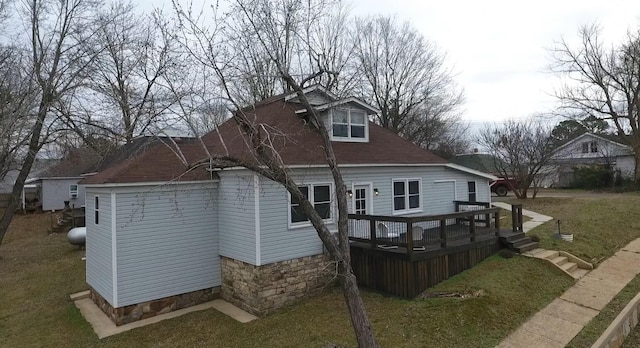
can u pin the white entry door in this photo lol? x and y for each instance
(362, 199)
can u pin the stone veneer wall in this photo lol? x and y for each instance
(131, 313)
(263, 289)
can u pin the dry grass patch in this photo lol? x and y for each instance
(40, 271)
(600, 225)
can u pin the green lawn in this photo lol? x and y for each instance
(38, 273)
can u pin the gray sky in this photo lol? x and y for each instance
(500, 48)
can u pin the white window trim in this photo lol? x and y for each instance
(294, 225)
(349, 138)
(407, 210)
(73, 193)
(369, 196)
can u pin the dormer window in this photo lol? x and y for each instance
(349, 124)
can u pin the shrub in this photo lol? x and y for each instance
(593, 177)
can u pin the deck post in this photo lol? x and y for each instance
(73, 215)
(372, 232)
(472, 227)
(516, 217)
(497, 223)
(409, 237)
(443, 233)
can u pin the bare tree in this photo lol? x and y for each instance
(59, 59)
(274, 25)
(324, 48)
(521, 150)
(405, 76)
(17, 92)
(603, 82)
(127, 91)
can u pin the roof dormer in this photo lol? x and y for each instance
(345, 119)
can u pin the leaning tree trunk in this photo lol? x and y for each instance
(358, 314)
(34, 147)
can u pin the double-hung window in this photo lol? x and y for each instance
(407, 195)
(320, 197)
(472, 190)
(349, 124)
(73, 191)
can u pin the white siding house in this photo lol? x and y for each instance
(160, 233)
(585, 150)
(150, 242)
(55, 191)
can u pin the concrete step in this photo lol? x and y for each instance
(579, 273)
(569, 266)
(560, 260)
(536, 251)
(548, 254)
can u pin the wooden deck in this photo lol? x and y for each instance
(406, 255)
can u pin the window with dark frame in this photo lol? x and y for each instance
(406, 195)
(320, 197)
(471, 185)
(96, 210)
(590, 147)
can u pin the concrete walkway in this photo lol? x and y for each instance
(104, 327)
(536, 219)
(559, 322)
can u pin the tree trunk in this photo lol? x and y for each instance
(636, 172)
(358, 314)
(34, 147)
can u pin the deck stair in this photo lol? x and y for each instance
(569, 264)
(517, 241)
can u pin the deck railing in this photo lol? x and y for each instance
(424, 232)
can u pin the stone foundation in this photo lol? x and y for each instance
(263, 289)
(131, 313)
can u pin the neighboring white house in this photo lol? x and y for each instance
(59, 183)
(588, 149)
(161, 238)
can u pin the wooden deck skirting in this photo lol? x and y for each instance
(403, 256)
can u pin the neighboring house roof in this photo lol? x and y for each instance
(296, 142)
(77, 162)
(586, 136)
(478, 161)
(151, 159)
